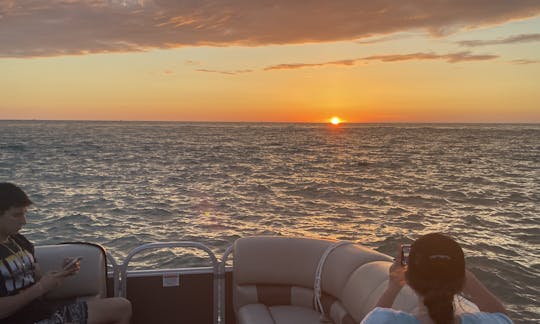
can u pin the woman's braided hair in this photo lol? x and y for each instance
(436, 271)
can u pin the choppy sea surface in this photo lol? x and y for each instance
(122, 184)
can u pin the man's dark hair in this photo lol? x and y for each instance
(12, 196)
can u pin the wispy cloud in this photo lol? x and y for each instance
(450, 58)
(72, 27)
(192, 62)
(224, 72)
(310, 65)
(374, 40)
(525, 38)
(523, 61)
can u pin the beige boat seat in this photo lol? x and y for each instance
(273, 281)
(89, 282)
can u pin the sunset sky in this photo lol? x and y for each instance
(283, 60)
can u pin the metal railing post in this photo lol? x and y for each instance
(116, 275)
(183, 244)
(222, 292)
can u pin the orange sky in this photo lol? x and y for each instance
(279, 61)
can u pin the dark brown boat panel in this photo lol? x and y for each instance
(189, 303)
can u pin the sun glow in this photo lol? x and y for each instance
(335, 121)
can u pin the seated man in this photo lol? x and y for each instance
(22, 285)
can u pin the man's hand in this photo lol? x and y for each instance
(69, 268)
(52, 280)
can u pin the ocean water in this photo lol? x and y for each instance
(122, 184)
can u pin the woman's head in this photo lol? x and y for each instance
(436, 271)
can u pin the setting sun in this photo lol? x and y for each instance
(335, 120)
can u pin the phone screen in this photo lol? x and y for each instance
(405, 250)
(72, 262)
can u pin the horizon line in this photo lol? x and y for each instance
(271, 122)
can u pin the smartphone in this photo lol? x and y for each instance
(405, 250)
(72, 262)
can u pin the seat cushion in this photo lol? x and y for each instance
(254, 313)
(294, 315)
(90, 281)
(260, 314)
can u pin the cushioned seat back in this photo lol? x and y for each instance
(339, 267)
(90, 281)
(365, 286)
(281, 271)
(275, 270)
(342, 262)
(359, 302)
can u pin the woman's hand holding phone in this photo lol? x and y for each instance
(396, 281)
(396, 273)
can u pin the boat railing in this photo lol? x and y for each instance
(222, 269)
(115, 274)
(120, 272)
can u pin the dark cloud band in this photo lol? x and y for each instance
(526, 38)
(68, 27)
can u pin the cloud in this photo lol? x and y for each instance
(192, 62)
(309, 65)
(450, 58)
(525, 38)
(523, 61)
(368, 41)
(32, 28)
(224, 72)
